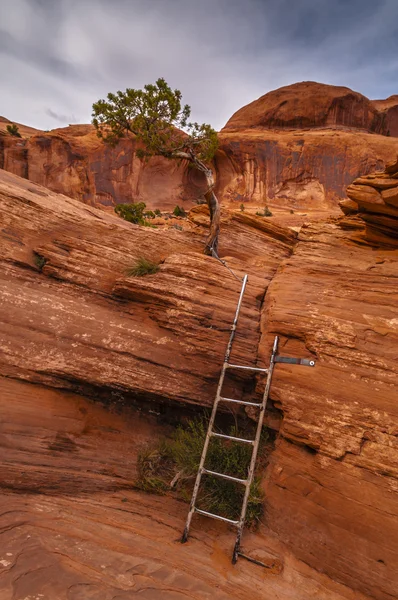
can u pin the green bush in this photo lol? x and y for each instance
(242, 207)
(142, 266)
(134, 212)
(157, 466)
(158, 212)
(265, 213)
(149, 214)
(179, 212)
(13, 130)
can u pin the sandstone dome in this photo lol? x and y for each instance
(310, 105)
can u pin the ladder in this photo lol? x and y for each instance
(239, 524)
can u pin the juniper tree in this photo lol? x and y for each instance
(160, 123)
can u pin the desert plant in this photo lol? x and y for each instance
(265, 213)
(142, 266)
(39, 260)
(158, 212)
(242, 207)
(179, 212)
(291, 211)
(134, 212)
(149, 214)
(13, 130)
(155, 117)
(178, 459)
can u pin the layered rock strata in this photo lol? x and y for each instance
(374, 198)
(297, 148)
(73, 320)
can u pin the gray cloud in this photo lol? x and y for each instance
(222, 54)
(66, 119)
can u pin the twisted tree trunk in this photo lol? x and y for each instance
(213, 204)
(211, 199)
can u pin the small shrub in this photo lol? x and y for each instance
(158, 466)
(39, 260)
(242, 207)
(267, 212)
(291, 211)
(179, 212)
(158, 212)
(134, 212)
(13, 130)
(142, 266)
(178, 227)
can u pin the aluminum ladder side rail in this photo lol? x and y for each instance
(213, 414)
(254, 453)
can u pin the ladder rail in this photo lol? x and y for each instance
(254, 453)
(213, 413)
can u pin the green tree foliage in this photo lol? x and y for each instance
(13, 130)
(160, 123)
(156, 116)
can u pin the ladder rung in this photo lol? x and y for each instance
(213, 516)
(230, 437)
(223, 476)
(229, 366)
(241, 402)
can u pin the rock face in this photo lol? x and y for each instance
(332, 487)
(375, 199)
(295, 148)
(83, 533)
(73, 161)
(311, 105)
(307, 170)
(161, 336)
(73, 321)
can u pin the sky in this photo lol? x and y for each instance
(57, 57)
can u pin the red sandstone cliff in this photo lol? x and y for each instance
(78, 325)
(294, 148)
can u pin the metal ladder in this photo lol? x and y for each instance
(255, 443)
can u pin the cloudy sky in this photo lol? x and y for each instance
(59, 56)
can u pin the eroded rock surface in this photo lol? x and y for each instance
(296, 148)
(375, 199)
(73, 320)
(76, 530)
(332, 487)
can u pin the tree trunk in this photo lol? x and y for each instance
(214, 207)
(211, 199)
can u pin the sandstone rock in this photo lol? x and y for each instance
(307, 105)
(72, 320)
(364, 194)
(349, 207)
(174, 323)
(378, 205)
(72, 527)
(307, 170)
(392, 167)
(390, 196)
(389, 109)
(304, 168)
(331, 492)
(378, 182)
